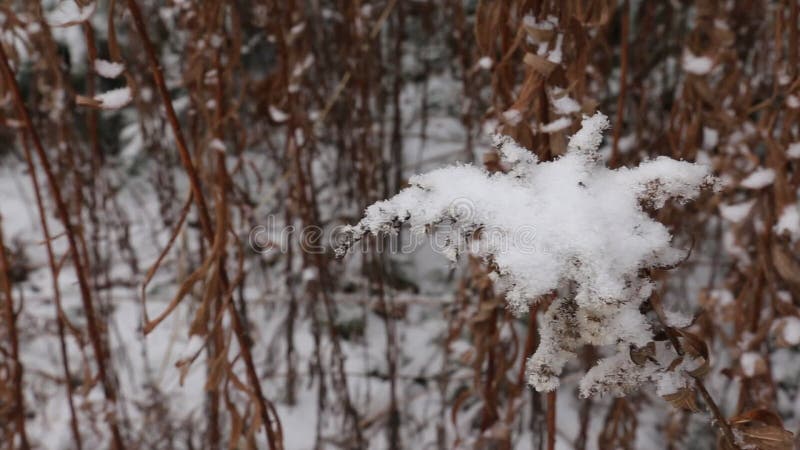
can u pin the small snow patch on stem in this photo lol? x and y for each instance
(113, 99)
(590, 136)
(108, 69)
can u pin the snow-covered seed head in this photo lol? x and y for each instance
(590, 136)
(589, 232)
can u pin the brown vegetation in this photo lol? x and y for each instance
(299, 84)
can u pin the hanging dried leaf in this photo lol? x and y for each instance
(642, 355)
(683, 399)
(785, 264)
(696, 347)
(761, 429)
(540, 64)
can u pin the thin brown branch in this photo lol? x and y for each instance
(13, 335)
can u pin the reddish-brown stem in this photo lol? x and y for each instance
(793, 13)
(723, 425)
(172, 118)
(715, 411)
(551, 420)
(11, 321)
(623, 81)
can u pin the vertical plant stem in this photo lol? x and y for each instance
(623, 81)
(723, 425)
(715, 411)
(391, 353)
(11, 323)
(397, 113)
(793, 14)
(172, 118)
(551, 420)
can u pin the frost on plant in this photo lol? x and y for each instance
(570, 226)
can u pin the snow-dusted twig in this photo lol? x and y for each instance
(113, 99)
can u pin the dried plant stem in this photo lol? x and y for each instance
(391, 355)
(551, 420)
(793, 38)
(11, 322)
(172, 118)
(623, 77)
(205, 220)
(655, 301)
(63, 213)
(715, 411)
(54, 272)
(348, 75)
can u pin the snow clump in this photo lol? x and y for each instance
(587, 239)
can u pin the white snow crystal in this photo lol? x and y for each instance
(297, 29)
(789, 223)
(310, 274)
(277, 115)
(485, 63)
(793, 151)
(531, 21)
(590, 136)
(791, 330)
(511, 152)
(710, 138)
(512, 116)
(114, 99)
(783, 77)
(69, 13)
(734, 249)
(556, 55)
(723, 297)
(556, 125)
(698, 65)
(108, 69)
(546, 225)
(565, 105)
(217, 145)
(736, 213)
(677, 319)
(627, 142)
(760, 178)
(750, 362)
